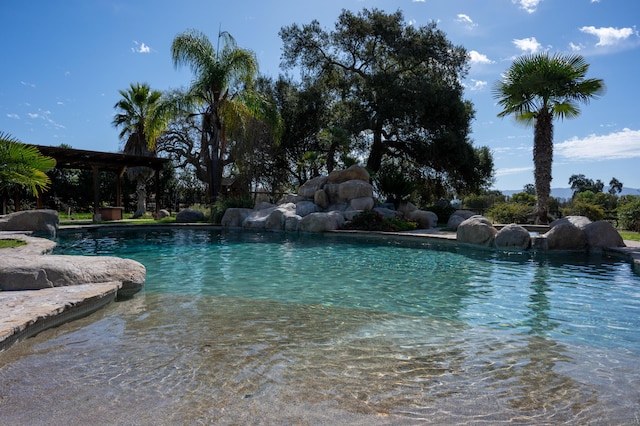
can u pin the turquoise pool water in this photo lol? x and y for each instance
(304, 329)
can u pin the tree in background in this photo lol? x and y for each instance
(221, 96)
(141, 122)
(615, 186)
(536, 89)
(399, 89)
(22, 167)
(580, 183)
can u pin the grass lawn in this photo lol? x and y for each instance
(10, 243)
(629, 235)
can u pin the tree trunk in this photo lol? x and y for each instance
(542, 159)
(374, 162)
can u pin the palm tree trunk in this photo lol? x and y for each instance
(542, 159)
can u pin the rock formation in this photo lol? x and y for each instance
(323, 203)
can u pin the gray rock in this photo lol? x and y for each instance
(162, 213)
(309, 188)
(602, 234)
(457, 218)
(406, 207)
(234, 216)
(424, 218)
(321, 199)
(321, 222)
(579, 221)
(565, 236)
(36, 272)
(263, 205)
(292, 223)
(476, 230)
(513, 237)
(354, 172)
(304, 208)
(189, 216)
(31, 220)
(363, 203)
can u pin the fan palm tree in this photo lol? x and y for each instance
(141, 121)
(221, 92)
(536, 89)
(22, 166)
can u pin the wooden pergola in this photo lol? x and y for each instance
(69, 158)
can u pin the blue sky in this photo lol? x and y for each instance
(64, 62)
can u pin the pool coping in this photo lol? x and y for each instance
(28, 312)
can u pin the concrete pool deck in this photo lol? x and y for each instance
(25, 313)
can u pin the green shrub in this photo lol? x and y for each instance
(374, 221)
(510, 213)
(629, 213)
(221, 206)
(581, 208)
(443, 211)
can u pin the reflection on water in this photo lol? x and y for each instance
(393, 335)
(166, 359)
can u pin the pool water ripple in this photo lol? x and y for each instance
(249, 328)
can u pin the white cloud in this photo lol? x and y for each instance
(529, 6)
(419, 1)
(608, 36)
(614, 146)
(466, 20)
(529, 44)
(33, 115)
(479, 58)
(14, 116)
(140, 48)
(576, 47)
(476, 85)
(513, 170)
(24, 83)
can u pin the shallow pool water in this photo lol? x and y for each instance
(270, 328)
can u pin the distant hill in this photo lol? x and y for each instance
(567, 193)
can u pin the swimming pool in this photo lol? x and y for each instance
(268, 327)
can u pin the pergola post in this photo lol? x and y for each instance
(119, 186)
(96, 194)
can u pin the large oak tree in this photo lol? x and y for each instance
(401, 88)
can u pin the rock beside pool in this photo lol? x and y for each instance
(476, 230)
(31, 220)
(189, 216)
(602, 234)
(513, 237)
(38, 272)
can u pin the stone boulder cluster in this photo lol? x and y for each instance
(576, 233)
(324, 203)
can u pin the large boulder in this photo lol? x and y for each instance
(457, 218)
(341, 193)
(578, 221)
(476, 230)
(31, 220)
(565, 236)
(513, 237)
(362, 203)
(37, 272)
(602, 234)
(322, 222)
(424, 218)
(387, 212)
(354, 172)
(189, 216)
(234, 216)
(309, 188)
(304, 208)
(321, 199)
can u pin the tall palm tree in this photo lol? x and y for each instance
(141, 121)
(22, 166)
(536, 89)
(220, 92)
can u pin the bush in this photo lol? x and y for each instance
(581, 208)
(510, 213)
(374, 221)
(443, 211)
(629, 213)
(221, 206)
